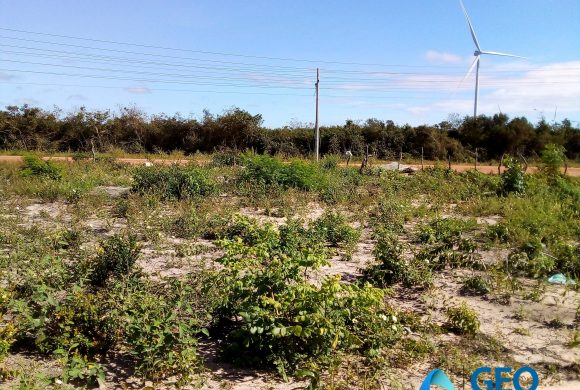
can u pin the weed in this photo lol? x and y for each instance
(273, 316)
(172, 182)
(475, 285)
(332, 228)
(463, 319)
(35, 166)
(555, 323)
(512, 179)
(116, 258)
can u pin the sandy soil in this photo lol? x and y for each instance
(524, 327)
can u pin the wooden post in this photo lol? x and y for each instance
(400, 158)
(449, 161)
(421, 158)
(476, 159)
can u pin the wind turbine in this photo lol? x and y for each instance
(478, 52)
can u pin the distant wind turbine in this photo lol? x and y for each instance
(478, 52)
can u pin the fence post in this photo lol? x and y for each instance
(421, 158)
(476, 159)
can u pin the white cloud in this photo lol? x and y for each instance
(516, 88)
(139, 90)
(443, 57)
(77, 97)
(6, 77)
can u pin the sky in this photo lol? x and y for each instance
(391, 60)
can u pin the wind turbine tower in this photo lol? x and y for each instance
(478, 53)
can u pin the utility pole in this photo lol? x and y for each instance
(316, 129)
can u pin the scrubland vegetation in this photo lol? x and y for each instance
(84, 132)
(307, 274)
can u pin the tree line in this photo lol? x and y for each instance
(32, 128)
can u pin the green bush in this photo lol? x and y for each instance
(172, 182)
(116, 258)
(225, 158)
(263, 169)
(272, 316)
(80, 322)
(35, 166)
(475, 285)
(568, 256)
(392, 267)
(330, 161)
(553, 159)
(498, 233)
(7, 327)
(390, 215)
(332, 228)
(446, 230)
(462, 319)
(513, 178)
(160, 329)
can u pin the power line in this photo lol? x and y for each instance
(205, 52)
(214, 91)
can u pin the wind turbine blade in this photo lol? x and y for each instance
(496, 53)
(470, 26)
(469, 71)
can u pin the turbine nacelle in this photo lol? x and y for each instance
(476, 53)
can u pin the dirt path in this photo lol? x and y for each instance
(490, 169)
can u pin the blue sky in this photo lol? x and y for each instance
(395, 60)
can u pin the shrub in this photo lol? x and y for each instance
(446, 230)
(513, 178)
(80, 322)
(392, 267)
(553, 158)
(530, 260)
(568, 256)
(330, 161)
(172, 182)
(160, 330)
(498, 233)
(390, 215)
(116, 258)
(7, 327)
(263, 169)
(272, 316)
(225, 158)
(35, 166)
(462, 319)
(332, 228)
(475, 285)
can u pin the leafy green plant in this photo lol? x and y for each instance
(116, 258)
(160, 330)
(172, 182)
(330, 161)
(273, 316)
(513, 178)
(35, 166)
(498, 233)
(463, 319)
(332, 228)
(392, 267)
(475, 285)
(78, 368)
(553, 158)
(7, 327)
